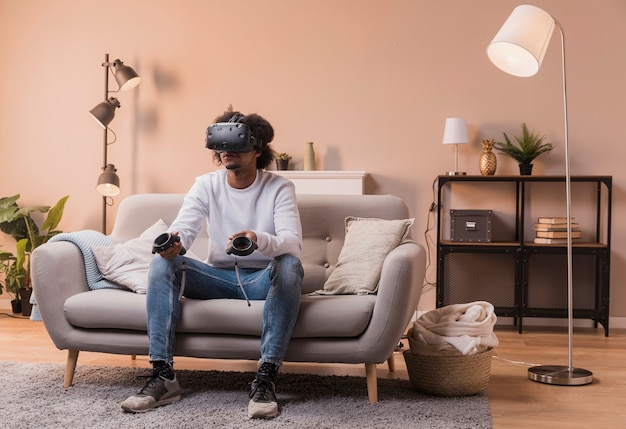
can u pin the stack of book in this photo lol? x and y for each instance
(553, 230)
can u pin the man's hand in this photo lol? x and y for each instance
(242, 243)
(172, 251)
(250, 234)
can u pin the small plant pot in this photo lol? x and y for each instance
(525, 169)
(16, 306)
(282, 164)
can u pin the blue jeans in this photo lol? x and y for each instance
(279, 284)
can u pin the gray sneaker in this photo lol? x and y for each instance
(263, 402)
(158, 391)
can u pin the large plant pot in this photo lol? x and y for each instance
(27, 307)
(525, 169)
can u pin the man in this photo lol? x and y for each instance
(243, 202)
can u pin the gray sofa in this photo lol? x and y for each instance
(330, 328)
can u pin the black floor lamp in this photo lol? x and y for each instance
(518, 49)
(109, 183)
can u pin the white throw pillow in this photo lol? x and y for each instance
(367, 243)
(127, 263)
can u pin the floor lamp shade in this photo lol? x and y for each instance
(125, 76)
(521, 43)
(104, 112)
(108, 182)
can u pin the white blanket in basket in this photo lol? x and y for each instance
(466, 327)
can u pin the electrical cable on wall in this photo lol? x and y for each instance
(432, 212)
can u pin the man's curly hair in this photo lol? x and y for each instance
(262, 131)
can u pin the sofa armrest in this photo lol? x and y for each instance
(57, 272)
(399, 291)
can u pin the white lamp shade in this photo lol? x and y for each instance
(521, 43)
(455, 131)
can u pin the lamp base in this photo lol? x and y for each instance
(560, 375)
(456, 173)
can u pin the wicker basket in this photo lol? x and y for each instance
(448, 373)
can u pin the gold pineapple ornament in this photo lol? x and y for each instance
(488, 161)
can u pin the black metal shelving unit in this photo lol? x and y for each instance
(520, 278)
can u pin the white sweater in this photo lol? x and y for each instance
(268, 207)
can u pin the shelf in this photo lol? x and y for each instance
(326, 182)
(580, 245)
(479, 244)
(537, 178)
(517, 244)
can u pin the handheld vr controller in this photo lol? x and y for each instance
(165, 241)
(241, 246)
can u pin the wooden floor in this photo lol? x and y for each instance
(516, 402)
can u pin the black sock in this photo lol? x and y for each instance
(268, 371)
(163, 369)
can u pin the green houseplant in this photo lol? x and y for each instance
(528, 146)
(282, 161)
(19, 223)
(14, 275)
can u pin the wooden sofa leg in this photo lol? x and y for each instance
(391, 363)
(372, 382)
(133, 357)
(70, 367)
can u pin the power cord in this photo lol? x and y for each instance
(13, 316)
(515, 362)
(432, 213)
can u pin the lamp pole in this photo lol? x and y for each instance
(105, 142)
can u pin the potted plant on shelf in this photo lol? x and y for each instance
(529, 146)
(282, 161)
(19, 223)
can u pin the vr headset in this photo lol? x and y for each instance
(231, 136)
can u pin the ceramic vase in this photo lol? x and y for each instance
(488, 161)
(309, 157)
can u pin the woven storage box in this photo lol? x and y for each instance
(447, 373)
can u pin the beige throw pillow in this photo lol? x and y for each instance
(367, 243)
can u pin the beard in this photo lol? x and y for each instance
(233, 166)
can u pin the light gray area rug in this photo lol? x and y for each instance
(33, 397)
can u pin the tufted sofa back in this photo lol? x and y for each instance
(322, 216)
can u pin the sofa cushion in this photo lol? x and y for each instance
(320, 316)
(367, 243)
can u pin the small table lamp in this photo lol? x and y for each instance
(455, 132)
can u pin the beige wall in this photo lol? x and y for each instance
(369, 82)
